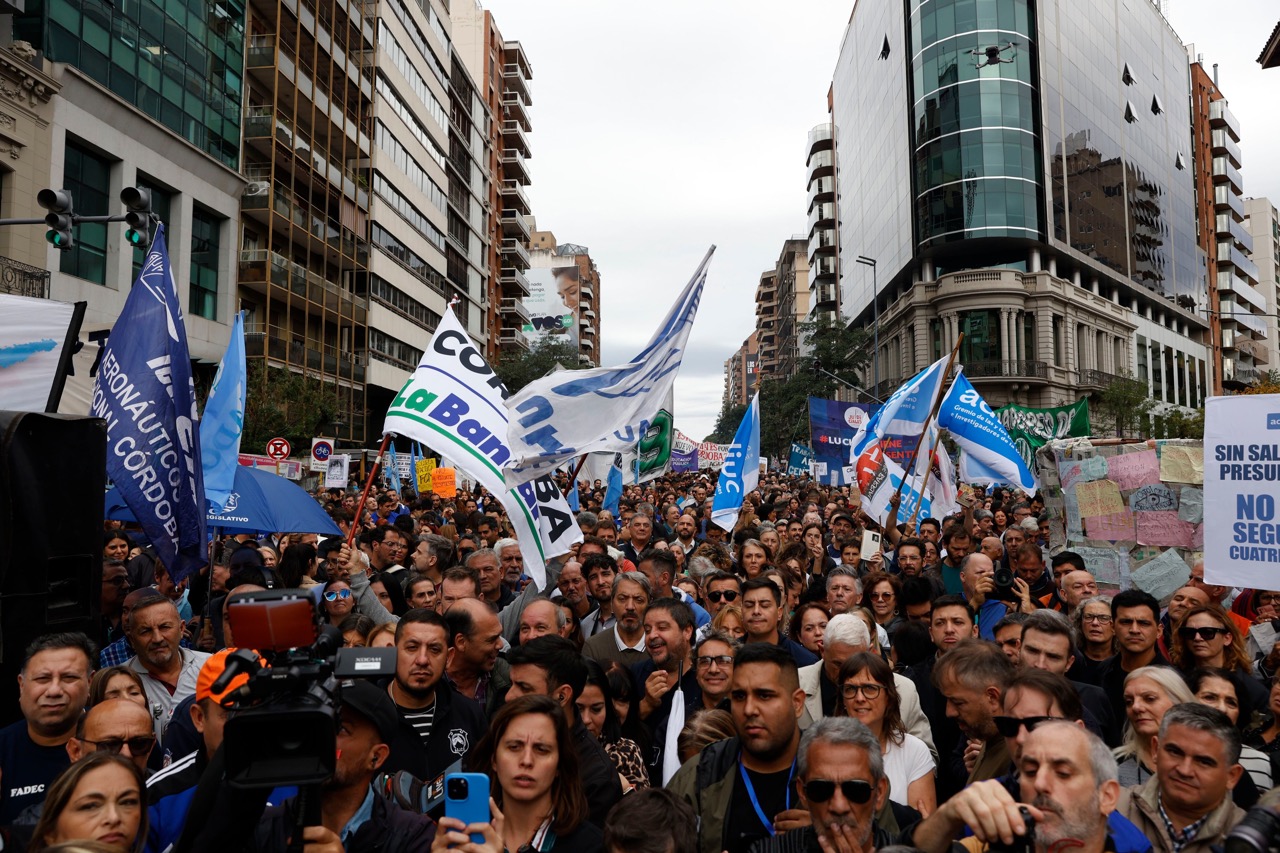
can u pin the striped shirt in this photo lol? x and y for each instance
(422, 719)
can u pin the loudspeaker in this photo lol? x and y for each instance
(53, 471)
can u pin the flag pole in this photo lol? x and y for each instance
(364, 495)
(924, 482)
(576, 472)
(933, 413)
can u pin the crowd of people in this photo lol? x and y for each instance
(672, 687)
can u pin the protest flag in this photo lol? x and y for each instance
(223, 421)
(988, 455)
(741, 472)
(613, 487)
(453, 401)
(145, 393)
(909, 409)
(568, 413)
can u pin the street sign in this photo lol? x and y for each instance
(321, 450)
(278, 449)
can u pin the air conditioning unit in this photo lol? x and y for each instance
(258, 188)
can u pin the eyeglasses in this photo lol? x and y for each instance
(1009, 726)
(1100, 618)
(869, 691)
(881, 596)
(726, 594)
(335, 594)
(140, 745)
(1186, 632)
(705, 661)
(854, 790)
(1268, 598)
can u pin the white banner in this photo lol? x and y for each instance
(32, 332)
(1241, 489)
(337, 470)
(453, 404)
(711, 455)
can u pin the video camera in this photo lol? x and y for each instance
(284, 729)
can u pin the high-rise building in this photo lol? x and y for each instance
(502, 73)
(113, 97)
(824, 282)
(564, 296)
(1020, 173)
(793, 304)
(767, 322)
(741, 371)
(1263, 225)
(1237, 327)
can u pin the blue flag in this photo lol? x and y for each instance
(613, 490)
(145, 393)
(741, 472)
(223, 421)
(988, 454)
(393, 469)
(907, 409)
(574, 500)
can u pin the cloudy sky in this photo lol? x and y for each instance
(661, 128)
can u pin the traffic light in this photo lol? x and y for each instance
(138, 200)
(59, 218)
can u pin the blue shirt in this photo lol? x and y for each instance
(989, 614)
(358, 819)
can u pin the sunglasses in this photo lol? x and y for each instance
(726, 594)
(821, 790)
(335, 594)
(141, 745)
(1009, 726)
(1186, 632)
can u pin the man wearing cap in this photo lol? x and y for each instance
(353, 817)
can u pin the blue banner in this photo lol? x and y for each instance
(684, 463)
(613, 488)
(223, 421)
(988, 454)
(741, 472)
(801, 456)
(145, 393)
(832, 426)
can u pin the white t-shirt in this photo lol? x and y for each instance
(903, 764)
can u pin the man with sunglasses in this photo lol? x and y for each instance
(721, 588)
(743, 788)
(841, 781)
(119, 726)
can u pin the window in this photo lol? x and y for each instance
(88, 178)
(206, 244)
(981, 336)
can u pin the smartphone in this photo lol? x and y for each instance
(870, 544)
(466, 797)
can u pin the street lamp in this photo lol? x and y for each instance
(875, 302)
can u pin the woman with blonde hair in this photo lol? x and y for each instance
(100, 798)
(1149, 692)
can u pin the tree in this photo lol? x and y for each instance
(518, 369)
(1179, 424)
(1124, 405)
(282, 403)
(727, 423)
(1266, 383)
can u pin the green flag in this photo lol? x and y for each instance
(1032, 428)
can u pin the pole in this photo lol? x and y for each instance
(933, 412)
(364, 495)
(64, 360)
(875, 309)
(933, 453)
(576, 472)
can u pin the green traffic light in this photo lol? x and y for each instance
(133, 237)
(54, 237)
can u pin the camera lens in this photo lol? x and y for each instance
(458, 789)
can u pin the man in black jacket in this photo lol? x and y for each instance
(551, 666)
(437, 726)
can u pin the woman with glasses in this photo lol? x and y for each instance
(1149, 692)
(808, 624)
(870, 696)
(1206, 636)
(881, 591)
(713, 668)
(1095, 637)
(99, 798)
(338, 601)
(931, 557)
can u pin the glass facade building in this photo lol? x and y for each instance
(182, 63)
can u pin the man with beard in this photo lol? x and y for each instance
(971, 678)
(742, 788)
(600, 570)
(169, 673)
(624, 642)
(1068, 781)
(437, 726)
(842, 784)
(668, 636)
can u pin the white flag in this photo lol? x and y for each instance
(453, 403)
(569, 413)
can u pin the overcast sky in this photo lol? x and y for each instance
(660, 128)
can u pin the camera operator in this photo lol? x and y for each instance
(1067, 778)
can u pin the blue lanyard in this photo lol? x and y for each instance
(751, 793)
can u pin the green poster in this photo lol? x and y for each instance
(1031, 428)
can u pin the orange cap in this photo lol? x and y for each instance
(211, 672)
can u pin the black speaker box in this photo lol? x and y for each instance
(53, 471)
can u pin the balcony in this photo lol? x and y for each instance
(1226, 226)
(1090, 378)
(1007, 370)
(282, 345)
(1220, 115)
(513, 165)
(513, 197)
(821, 190)
(513, 283)
(510, 307)
(515, 225)
(258, 267)
(589, 330)
(585, 292)
(821, 164)
(1223, 197)
(822, 267)
(1233, 312)
(514, 252)
(822, 243)
(825, 295)
(822, 216)
(513, 52)
(1229, 254)
(513, 80)
(1222, 143)
(1224, 172)
(1242, 290)
(21, 279)
(513, 136)
(820, 139)
(513, 107)
(511, 338)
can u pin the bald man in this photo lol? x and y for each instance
(992, 548)
(121, 726)
(1076, 587)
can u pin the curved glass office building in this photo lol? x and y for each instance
(976, 167)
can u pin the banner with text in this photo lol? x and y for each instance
(1030, 429)
(800, 461)
(1241, 489)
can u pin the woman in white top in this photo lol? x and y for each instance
(869, 695)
